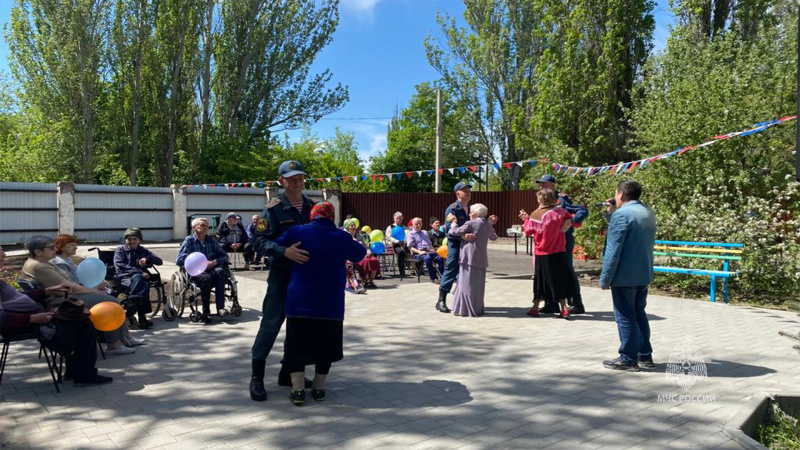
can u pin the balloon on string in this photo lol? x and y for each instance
(91, 272)
(442, 251)
(376, 236)
(107, 316)
(444, 242)
(358, 224)
(195, 264)
(366, 229)
(399, 233)
(377, 248)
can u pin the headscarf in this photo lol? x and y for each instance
(323, 210)
(349, 222)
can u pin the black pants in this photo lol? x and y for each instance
(82, 362)
(320, 368)
(400, 254)
(214, 278)
(247, 249)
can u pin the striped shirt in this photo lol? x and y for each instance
(298, 205)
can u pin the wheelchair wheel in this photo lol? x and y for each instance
(194, 316)
(237, 308)
(177, 290)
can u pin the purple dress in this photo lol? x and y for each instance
(473, 261)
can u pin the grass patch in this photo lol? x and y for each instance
(780, 431)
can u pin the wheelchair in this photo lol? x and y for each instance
(354, 282)
(183, 292)
(157, 293)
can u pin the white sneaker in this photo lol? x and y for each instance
(121, 350)
(133, 341)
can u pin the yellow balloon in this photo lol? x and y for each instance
(444, 242)
(366, 229)
(107, 316)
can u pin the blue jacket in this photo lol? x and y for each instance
(462, 216)
(316, 288)
(126, 261)
(580, 214)
(628, 258)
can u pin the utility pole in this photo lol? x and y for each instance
(797, 121)
(438, 139)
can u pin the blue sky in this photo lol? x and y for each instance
(377, 52)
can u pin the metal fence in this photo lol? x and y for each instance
(377, 209)
(102, 213)
(27, 209)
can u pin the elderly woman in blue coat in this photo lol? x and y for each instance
(315, 299)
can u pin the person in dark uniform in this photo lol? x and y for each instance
(579, 214)
(291, 208)
(459, 209)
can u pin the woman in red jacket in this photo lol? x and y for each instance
(552, 280)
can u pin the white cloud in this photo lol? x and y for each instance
(363, 8)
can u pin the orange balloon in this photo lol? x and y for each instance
(107, 316)
(442, 251)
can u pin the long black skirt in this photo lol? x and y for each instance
(552, 279)
(312, 341)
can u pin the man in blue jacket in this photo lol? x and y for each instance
(291, 208)
(580, 213)
(214, 275)
(627, 271)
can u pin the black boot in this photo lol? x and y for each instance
(441, 305)
(143, 322)
(577, 306)
(257, 391)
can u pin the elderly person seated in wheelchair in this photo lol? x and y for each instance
(233, 238)
(214, 275)
(421, 248)
(38, 272)
(21, 313)
(130, 269)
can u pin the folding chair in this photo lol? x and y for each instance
(52, 366)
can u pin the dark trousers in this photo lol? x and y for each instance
(400, 254)
(431, 259)
(82, 362)
(320, 368)
(138, 286)
(247, 249)
(273, 312)
(569, 249)
(632, 323)
(214, 278)
(450, 274)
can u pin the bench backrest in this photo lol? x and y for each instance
(722, 251)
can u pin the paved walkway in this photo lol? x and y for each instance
(416, 378)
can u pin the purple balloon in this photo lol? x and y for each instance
(195, 264)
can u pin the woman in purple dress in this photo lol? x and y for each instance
(473, 260)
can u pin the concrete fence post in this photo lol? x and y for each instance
(335, 197)
(65, 202)
(272, 192)
(179, 207)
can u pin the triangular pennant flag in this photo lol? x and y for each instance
(452, 170)
(507, 165)
(373, 177)
(399, 176)
(364, 177)
(408, 174)
(473, 168)
(633, 165)
(380, 177)
(430, 172)
(496, 166)
(419, 173)
(205, 186)
(345, 178)
(462, 169)
(328, 180)
(441, 171)
(532, 163)
(519, 163)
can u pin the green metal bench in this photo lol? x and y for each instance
(720, 251)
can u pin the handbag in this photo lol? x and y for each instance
(58, 336)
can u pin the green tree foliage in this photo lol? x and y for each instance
(152, 92)
(411, 143)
